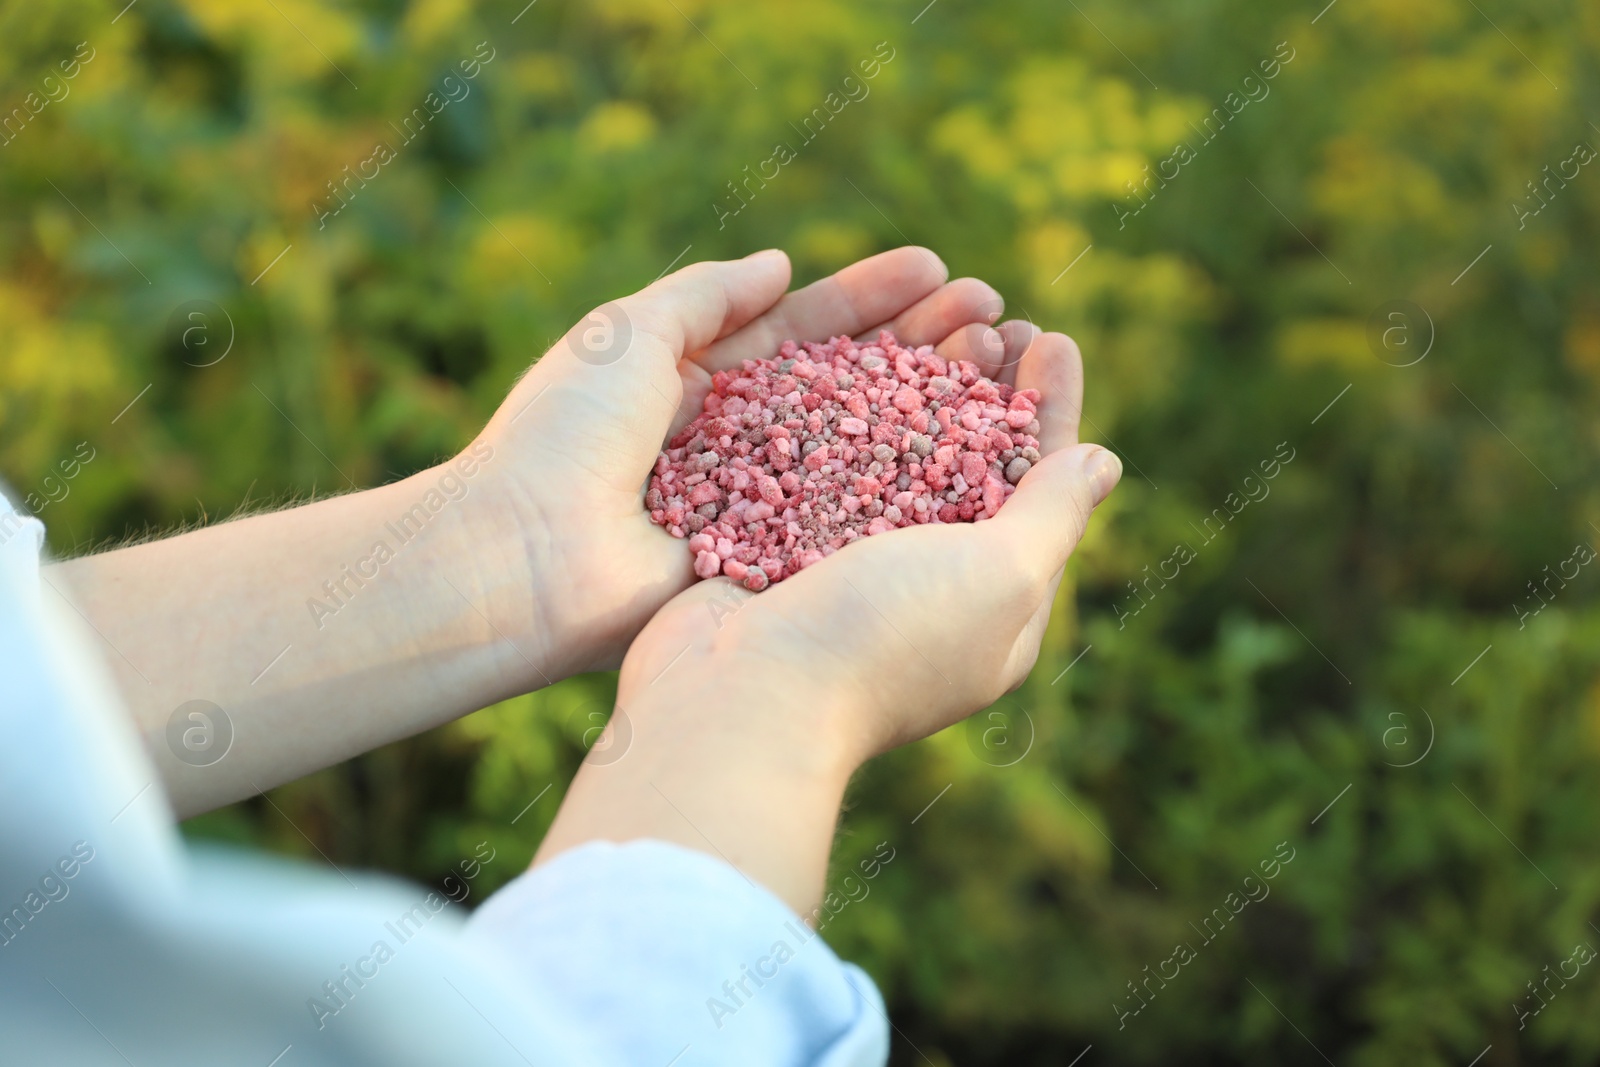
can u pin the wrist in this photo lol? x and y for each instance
(798, 731)
(484, 554)
(702, 767)
(589, 566)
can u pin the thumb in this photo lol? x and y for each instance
(679, 314)
(619, 363)
(1047, 515)
(701, 610)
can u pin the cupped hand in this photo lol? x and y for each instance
(898, 635)
(575, 440)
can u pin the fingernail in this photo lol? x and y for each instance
(764, 253)
(1104, 471)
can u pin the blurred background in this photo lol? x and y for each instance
(1319, 702)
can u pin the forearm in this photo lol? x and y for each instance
(321, 632)
(707, 770)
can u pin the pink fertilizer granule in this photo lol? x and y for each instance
(795, 457)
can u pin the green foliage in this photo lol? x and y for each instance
(1315, 642)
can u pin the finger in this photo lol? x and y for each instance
(691, 308)
(696, 386)
(997, 350)
(717, 597)
(956, 306)
(1053, 366)
(944, 311)
(1047, 603)
(1025, 652)
(843, 304)
(1045, 518)
(623, 356)
(1018, 335)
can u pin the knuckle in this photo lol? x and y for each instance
(1023, 588)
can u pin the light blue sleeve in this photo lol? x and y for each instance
(119, 945)
(671, 955)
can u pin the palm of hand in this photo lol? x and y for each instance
(582, 431)
(902, 634)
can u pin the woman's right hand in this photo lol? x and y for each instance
(899, 635)
(740, 717)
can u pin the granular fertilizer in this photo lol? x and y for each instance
(793, 458)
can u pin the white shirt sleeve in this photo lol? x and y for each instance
(667, 952)
(118, 944)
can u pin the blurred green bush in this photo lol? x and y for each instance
(1313, 645)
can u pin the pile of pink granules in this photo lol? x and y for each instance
(795, 457)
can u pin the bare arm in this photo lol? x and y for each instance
(324, 631)
(320, 632)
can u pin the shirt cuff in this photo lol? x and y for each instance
(666, 952)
